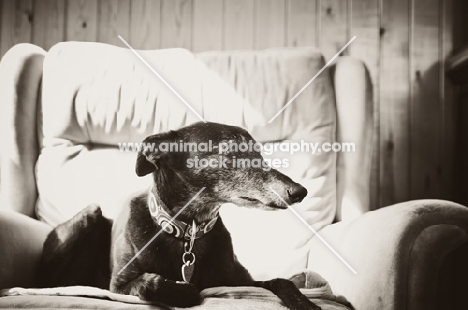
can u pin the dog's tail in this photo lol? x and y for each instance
(77, 252)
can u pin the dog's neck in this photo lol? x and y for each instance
(169, 222)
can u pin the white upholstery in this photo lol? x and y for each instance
(95, 96)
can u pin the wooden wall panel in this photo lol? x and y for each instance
(447, 102)
(207, 25)
(145, 24)
(81, 20)
(270, 23)
(460, 30)
(15, 23)
(302, 23)
(48, 23)
(425, 164)
(176, 23)
(333, 27)
(238, 24)
(395, 103)
(403, 43)
(114, 20)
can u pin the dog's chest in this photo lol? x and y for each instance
(164, 255)
(169, 258)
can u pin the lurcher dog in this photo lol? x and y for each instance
(189, 254)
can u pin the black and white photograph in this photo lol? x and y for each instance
(234, 154)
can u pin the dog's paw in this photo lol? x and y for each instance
(300, 302)
(187, 296)
(304, 305)
(153, 287)
(290, 295)
(90, 215)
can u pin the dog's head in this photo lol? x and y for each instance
(204, 155)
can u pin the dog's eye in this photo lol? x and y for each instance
(248, 198)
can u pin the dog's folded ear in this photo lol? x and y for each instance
(144, 166)
(150, 155)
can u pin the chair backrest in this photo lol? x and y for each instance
(21, 74)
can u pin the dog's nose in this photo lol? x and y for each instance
(297, 193)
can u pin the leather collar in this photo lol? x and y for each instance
(176, 228)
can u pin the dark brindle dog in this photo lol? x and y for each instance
(194, 251)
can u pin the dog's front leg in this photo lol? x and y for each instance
(288, 293)
(153, 287)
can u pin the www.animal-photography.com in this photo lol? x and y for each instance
(233, 154)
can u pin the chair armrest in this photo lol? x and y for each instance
(21, 239)
(397, 252)
(20, 77)
(354, 112)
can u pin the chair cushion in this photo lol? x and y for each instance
(95, 96)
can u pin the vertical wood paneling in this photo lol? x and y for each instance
(16, 22)
(333, 26)
(447, 102)
(176, 23)
(270, 23)
(302, 23)
(114, 20)
(365, 25)
(395, 103)
(81, 20)
(425, 130)
(460, 31)
(238, 24)
(207, 25)
(145, 24)
(48, 23)
(460, 39)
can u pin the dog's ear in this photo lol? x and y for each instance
(149, 156)
(143, 165)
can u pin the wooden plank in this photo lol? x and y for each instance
(207, 25)
(425, 130)
(16, 23)
(270, 24)
(176, 23)
(48, 23)
(238, 24)
(145, 24)
(460, 40)
(114, 20)
(333, 27)
(449, 115)
(81, 20)
(460, 30)
(461, 194)
(395, 108)
(302, 23)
